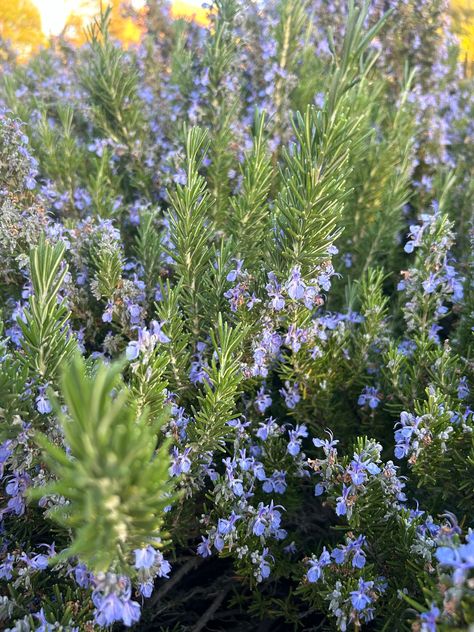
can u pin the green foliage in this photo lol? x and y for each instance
(103, 185)
(177, 351)
(13, 379)
(407, 376)
(310, 202)
(46, 341)
(380, 182)
(464, 335)
(331, 379)
(374, 309)
(181, 59)
(111, 85)
(423, 310)
(115, 480)
(62, 159)
(107, 262)
(316, 173)
(190, 232)
(288, 33)
(215, 283)
(148, 249)
(221, 103)
(217, 402)
(148, 384)
(249, 220)
(354, 60)
(444, 467)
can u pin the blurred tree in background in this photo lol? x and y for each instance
(462, 13)
(124, 23)
(20, 28)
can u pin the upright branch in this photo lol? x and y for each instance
(47, 342)
(216, 404)
(190, 228)
(316, 172)
(111, 85)
(249, 220)
(221, 101)
(115, 480)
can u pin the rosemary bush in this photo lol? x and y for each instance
(237, 305)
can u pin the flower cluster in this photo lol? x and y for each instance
(112, 598)
(351, 597)
(434, 280)
(455, 566)
(348, 484)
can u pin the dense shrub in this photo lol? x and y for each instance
(236, 361)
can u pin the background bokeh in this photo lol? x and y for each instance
(28, 24)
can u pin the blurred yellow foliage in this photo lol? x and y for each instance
(122, 26)
(20, 23)
(462, 13)
(183, 9)
(20, 26)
